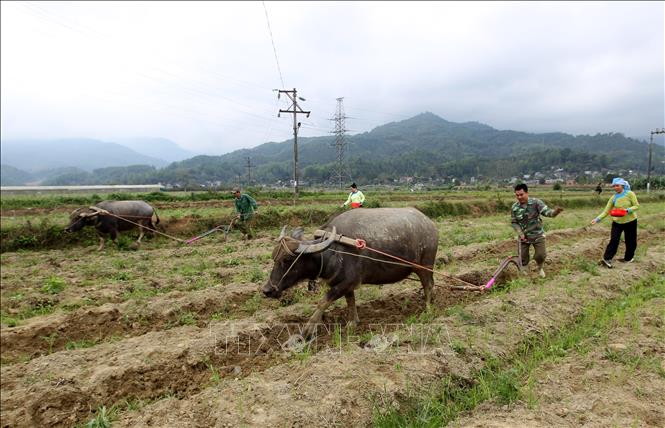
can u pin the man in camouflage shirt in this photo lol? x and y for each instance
(525, 219)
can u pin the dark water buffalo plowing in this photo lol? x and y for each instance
(111, 217)
(403, 232)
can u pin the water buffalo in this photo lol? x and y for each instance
(135, 211)
(403, 232)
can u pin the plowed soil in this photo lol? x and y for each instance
(169, 336)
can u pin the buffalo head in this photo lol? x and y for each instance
(79, 218)
(295, 260)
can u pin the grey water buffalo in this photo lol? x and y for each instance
(111, 217)
(403, 232)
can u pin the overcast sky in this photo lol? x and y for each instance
(202, 74)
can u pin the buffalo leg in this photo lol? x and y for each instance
(427, 280)
(141, 234)
(351, 306)
(335, 292)
(114, 238)
(101, 243)
(315, 319)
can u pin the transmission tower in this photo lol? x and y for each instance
(249, 171)
(340, 143)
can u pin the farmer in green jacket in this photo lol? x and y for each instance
(525, 219)
(621, 206)
(245, 208)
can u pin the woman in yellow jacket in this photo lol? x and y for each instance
(621, 206)
(356, 198)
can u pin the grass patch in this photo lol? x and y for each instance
(253, 304)
(215, 377)
(103, 418)
(187, 318)
(505, 381)
(80, 344)
(53, 285)
(425, 317)
(589, 266)
(304, 354)
(37, 309)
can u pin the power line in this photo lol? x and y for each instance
(68, 23)
(279, 70)
(195, 88)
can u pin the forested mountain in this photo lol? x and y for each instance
(425, 146)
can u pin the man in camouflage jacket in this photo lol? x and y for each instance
(525, 219)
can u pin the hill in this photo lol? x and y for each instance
(160, 148)
(82, 153)
(425, 146)
(10, 176)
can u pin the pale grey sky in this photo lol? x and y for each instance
(202, 73)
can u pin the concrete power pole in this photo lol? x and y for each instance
(340, 142)
(657, 131)
(295, 110)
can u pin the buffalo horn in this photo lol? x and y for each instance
(317, 248)
(282, 234)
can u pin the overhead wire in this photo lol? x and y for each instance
(197, 90)
(279, 69)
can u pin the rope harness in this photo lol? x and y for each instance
(361, 244)
(286, 249)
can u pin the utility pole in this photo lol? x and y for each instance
(249, 172)
(340, 141)
(657, 131)
(295, 110)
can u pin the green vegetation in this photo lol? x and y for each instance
(103, 418)
(187, 318)
(37, 309)
(80, 344)
(44, 233)
(215, 377)
(509, 379)
(253, 304)
(53, 285)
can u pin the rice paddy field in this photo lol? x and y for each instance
(169, 334)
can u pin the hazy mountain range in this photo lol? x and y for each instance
(425, 146)
(34, 161)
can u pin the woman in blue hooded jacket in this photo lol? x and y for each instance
(621, 207)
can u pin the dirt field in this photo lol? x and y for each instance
(171, 335)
